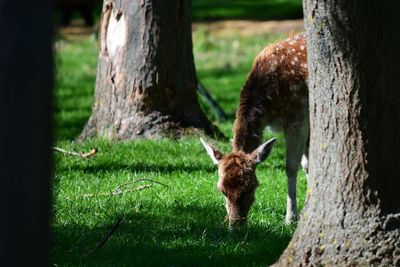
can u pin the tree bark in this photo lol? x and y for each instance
(351, 216)
(25, 138)
(146, 82)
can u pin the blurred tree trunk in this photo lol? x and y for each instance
(25, 159)
(352, 214)
(146, 82)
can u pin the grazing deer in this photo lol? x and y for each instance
(275, 95)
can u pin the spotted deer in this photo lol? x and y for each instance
(275, 94)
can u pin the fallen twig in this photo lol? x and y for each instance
(118, 190)
(105, 239)
(115, 193)
(83, 155)
(136, 181)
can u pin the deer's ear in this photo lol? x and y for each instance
(262, 152)
(214, 154)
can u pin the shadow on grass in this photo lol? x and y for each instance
(181, 236)
(246, 9)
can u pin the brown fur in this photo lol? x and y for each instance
(276, 85)
(235, 169)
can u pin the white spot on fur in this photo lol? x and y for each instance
(292, 62)
(304, 163)
(292, 71)
(302, 47)
(296, 59)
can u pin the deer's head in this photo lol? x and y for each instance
(237, 178)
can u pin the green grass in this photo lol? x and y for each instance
(179, 225)
(75, 78)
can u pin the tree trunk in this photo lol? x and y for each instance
(146, 82)
(351, 217)
(25, 159)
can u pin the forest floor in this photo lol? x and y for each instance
(182, 223)
(251, 28)
(246, 28)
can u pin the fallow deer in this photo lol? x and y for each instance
(275, 95)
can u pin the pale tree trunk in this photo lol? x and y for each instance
(146, 82)
(25, 158)
(351, 217)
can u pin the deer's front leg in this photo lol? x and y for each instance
(295, 139)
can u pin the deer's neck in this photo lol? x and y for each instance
(250, 120)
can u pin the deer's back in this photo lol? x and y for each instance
(277, 82)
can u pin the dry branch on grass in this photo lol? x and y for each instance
(105, 239)
(115, 193)
(83, 155)
(118, 190)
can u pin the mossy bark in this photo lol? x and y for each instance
(146, 82)
(352, 212)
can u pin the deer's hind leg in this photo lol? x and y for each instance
(304, 158)
(295, 140)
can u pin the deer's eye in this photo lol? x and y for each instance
(223, 192)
